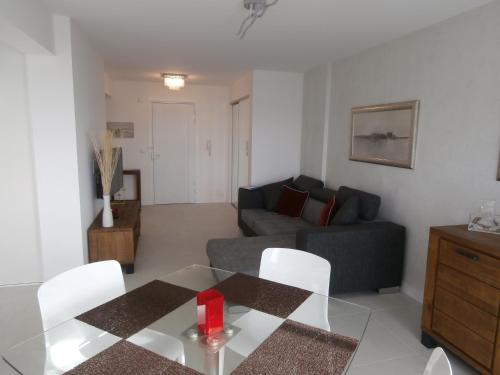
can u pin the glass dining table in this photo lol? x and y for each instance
(268, 328)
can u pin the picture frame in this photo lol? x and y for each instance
(385, 134)
(498, 170)
(121, 129)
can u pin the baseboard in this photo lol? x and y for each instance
(21, 284)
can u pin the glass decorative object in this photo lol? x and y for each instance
(485, 220)
(210, 311)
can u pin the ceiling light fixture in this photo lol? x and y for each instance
(257, 9)
(174, 82)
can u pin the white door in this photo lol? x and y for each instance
(240, 156)
(244, 143)
(173, 153)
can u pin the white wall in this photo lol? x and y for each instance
(276, 125)
(52, 105)
(453, 68)
(132, 101)
(90, 116)
(26, 25)
(242, 87)
(19, 235)
(315, 123)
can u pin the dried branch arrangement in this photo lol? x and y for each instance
(107, 158)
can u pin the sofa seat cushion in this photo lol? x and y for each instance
(243, 254)
(280, 224)
(250, 216)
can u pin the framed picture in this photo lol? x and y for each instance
(498, 171)
(121, 129)
(385, 134)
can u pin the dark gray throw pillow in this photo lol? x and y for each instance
(272, 193)
(348, 212)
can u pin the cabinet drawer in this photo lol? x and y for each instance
(471, 262)
(463, 338)
(477, 320)
(474, 291)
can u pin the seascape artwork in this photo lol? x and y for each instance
(121, 129)
(385, 134)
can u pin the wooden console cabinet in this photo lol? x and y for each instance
(119, 242)
(462, 296)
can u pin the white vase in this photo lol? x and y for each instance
(107, 214)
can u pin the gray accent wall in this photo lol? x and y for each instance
(453, 68)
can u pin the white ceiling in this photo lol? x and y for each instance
(139, 39)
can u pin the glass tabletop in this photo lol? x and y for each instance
(70, 344)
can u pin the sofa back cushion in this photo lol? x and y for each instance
(291, 202)
(348, 213)
(368, 206)
(322, 194)
(272, 193)
(306, 183)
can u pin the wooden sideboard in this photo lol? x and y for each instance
(119, 242)
(462, 296)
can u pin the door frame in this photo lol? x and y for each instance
(193, 142)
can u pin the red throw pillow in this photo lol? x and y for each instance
(291, 202)
(326, 212)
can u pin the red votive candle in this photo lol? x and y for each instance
(210, 311)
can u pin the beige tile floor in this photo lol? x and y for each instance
(174, 236)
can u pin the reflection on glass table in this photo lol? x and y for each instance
(72, 343)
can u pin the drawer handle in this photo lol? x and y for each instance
(468, 255)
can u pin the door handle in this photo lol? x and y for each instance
(467, 255)
(246, 148)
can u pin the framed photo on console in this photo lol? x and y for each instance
(385, 134)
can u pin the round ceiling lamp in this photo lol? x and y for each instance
(174, 82)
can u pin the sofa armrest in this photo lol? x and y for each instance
(366, 256)
(249, 198)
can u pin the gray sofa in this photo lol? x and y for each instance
(365, 253)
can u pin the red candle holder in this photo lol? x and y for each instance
(210, 311)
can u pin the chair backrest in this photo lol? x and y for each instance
(438, 363)
(296, 268)
(78, 290)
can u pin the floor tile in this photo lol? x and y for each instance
(404, 323)
(378, 344)
(375, 301)
(407, 365)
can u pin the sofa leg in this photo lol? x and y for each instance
(391, 290)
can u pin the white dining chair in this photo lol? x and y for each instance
(78, 290)
(438, 363)
(296, 268)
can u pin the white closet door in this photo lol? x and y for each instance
(244, 143)
(240, 155)
(234, 154)
(173, 135)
